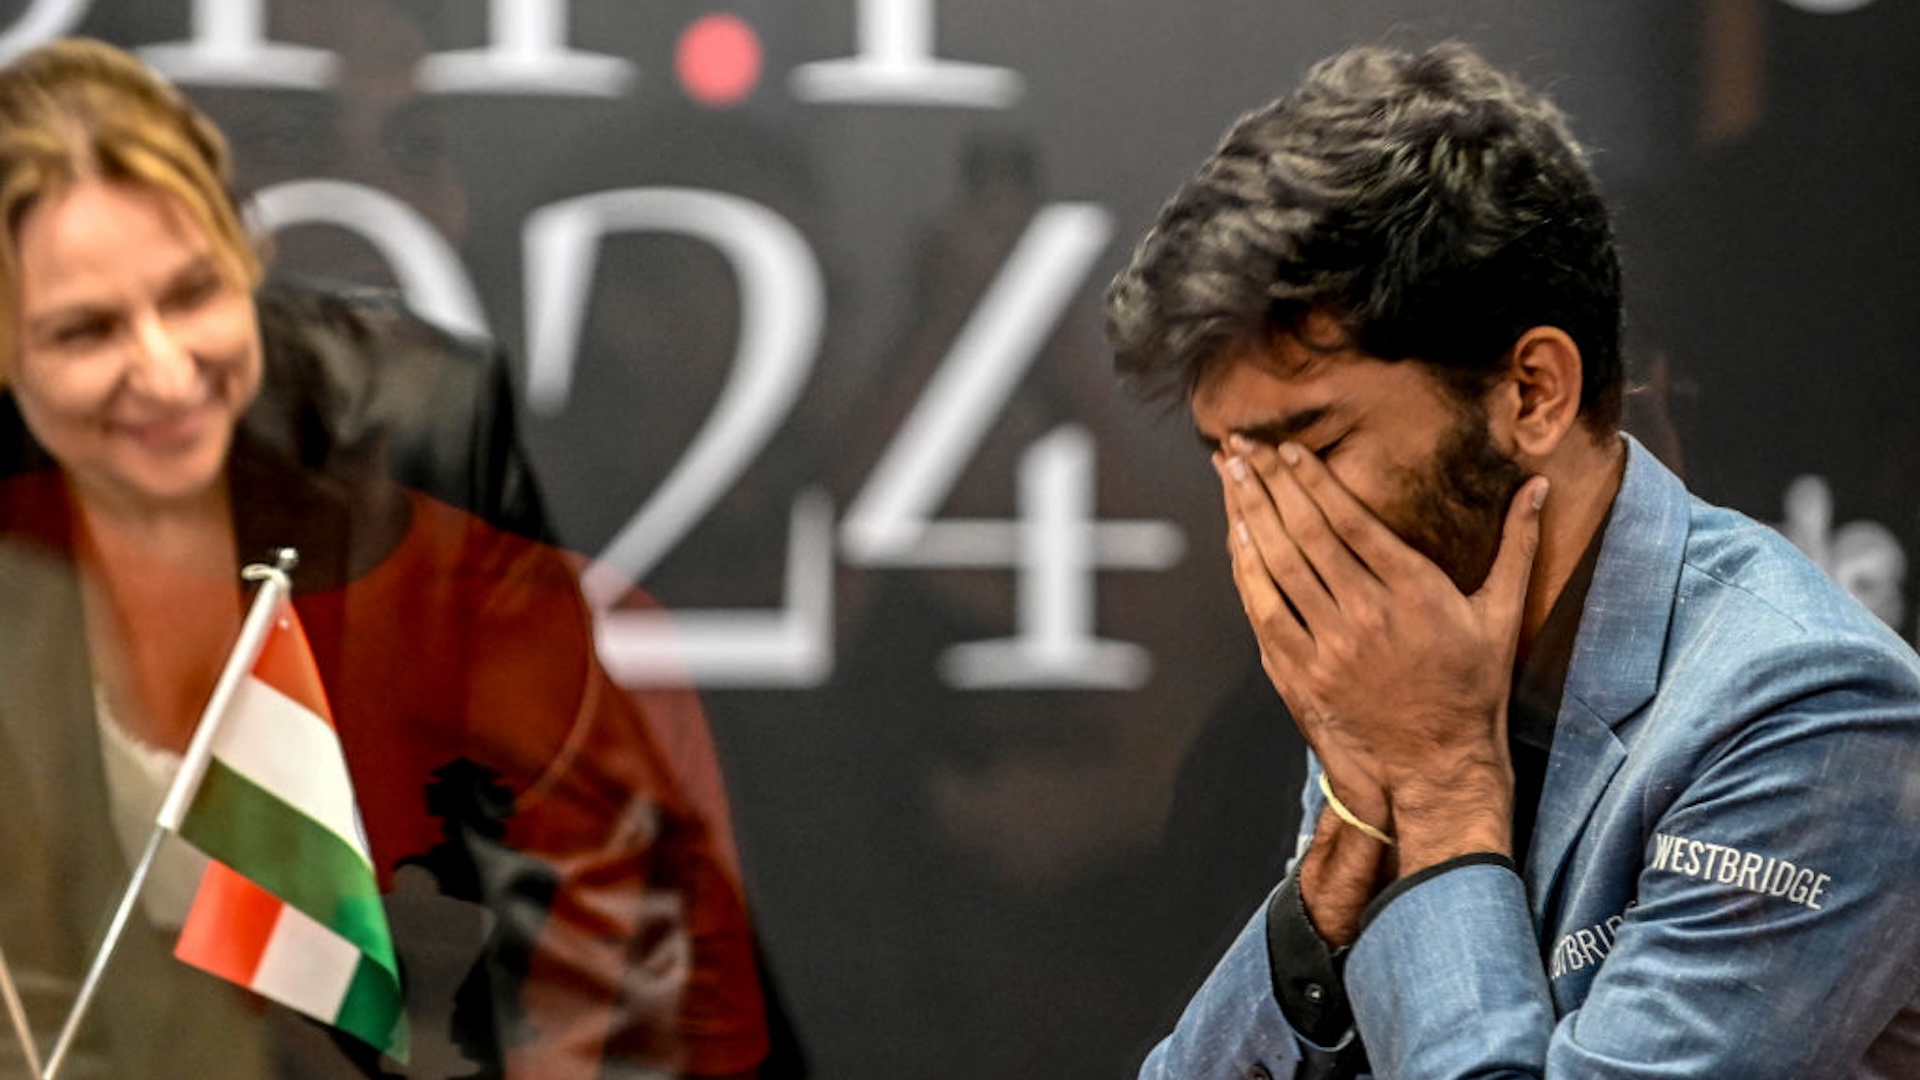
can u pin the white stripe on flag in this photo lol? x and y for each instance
(306, 966)
(289, 751)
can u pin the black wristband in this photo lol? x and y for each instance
(1306, 973)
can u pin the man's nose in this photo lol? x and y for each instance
(163, 366)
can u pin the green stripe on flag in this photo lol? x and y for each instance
(373, 1012)
(290, 855)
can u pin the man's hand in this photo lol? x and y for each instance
(1397, 680)
(1339, 875)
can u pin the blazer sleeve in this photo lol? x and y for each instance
(1774, 924)
(1234, 1027)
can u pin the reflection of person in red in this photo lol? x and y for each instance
(564, 898)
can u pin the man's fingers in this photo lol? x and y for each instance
(1276, 622)
(1376, 547)
(1505, 589)
(1343, 576)
(1259, 523)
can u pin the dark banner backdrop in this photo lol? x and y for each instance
(803, 299)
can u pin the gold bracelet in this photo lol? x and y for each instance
(1340, 811)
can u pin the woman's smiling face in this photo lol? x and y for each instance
(138, 348)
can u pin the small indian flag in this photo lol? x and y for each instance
(290, 907)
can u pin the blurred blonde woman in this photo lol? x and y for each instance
(561, 904)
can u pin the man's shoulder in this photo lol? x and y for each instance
(1759, 629)
(1734, 567)
(1686, 587)
(1699, 610)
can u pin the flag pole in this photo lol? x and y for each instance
(17, 1012)
(274, 587)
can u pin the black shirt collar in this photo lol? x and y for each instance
(1534, 707)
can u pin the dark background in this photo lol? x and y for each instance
(1029, 880)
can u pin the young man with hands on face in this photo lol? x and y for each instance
(1606, 781)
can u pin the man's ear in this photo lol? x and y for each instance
(1544, 390)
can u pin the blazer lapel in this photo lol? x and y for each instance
(1617, 659)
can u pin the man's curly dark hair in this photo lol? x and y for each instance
(1432, 205)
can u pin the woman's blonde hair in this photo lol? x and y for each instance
(77, 110)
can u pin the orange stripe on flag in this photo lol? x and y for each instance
(229, 925)
(286, 664)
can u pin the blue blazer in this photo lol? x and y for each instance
(1724, 880)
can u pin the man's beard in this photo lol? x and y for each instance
(1455, 512)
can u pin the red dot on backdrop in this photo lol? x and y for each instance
(718, 60)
